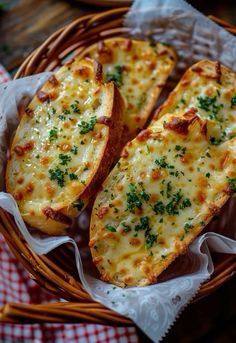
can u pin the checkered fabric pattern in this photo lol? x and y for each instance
(4, 76)
(16, 286)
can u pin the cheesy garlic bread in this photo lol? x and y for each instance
(140, 70)
(170, 181)
(209, 87)
(64, 145)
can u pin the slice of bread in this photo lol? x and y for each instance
(169, 183)
(140, 70)
(210, 88)
(64, 145)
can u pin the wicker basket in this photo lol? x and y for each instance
(56, 271)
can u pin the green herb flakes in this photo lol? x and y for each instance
(186, 203)
(74, 150)
(143, 225)
(110, 227)
(150, 240)
(181, 150)
(64, 159)
(215, 141)
(73, 176)
(85, 127)
(233, 101)
(232, 183)
(53, 134)
(209, 104)
(133, 200)
(116, 75)
(187, 227)
(159, 208)
(57, 175)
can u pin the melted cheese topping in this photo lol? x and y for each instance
(140, 69)
(171, 180)
(59, 144)
(210, 88)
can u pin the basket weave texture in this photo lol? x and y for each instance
(56, 271)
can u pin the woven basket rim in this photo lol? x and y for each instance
(62, 281)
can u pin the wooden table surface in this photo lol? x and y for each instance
(27, 23)
(23, 27)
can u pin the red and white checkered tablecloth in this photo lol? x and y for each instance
(16, 286)
(4, 76)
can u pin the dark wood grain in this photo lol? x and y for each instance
(27, 23)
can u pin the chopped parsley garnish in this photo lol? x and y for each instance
(187, 227)
(172, 206)
(208, 155)
(78, 204)
(110, 227)
(64, 159)
(209, 104)
(62, 117)
(75, 107)
(150, 237)
(143, 225)
(73, 176)
(53, 134)
(168, 189)
(85, 126)
(144, 195)
(57, 175)
(74, 150)
(181, 150)
(161, 162)
(126, 227)
(233, 101)
(50, 112)
(159, 208)
(232, 183)
(208, 175)
(133, 200)
(183, 101)
(150, 240)
(215, 141)
(186, 203)
(116, 76)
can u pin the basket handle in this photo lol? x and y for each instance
(61, 312)
(92, 312)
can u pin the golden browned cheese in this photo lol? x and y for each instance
(170, 181)
(140, 70)
(64, 145)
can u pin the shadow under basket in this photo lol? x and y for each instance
(56, 271)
